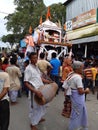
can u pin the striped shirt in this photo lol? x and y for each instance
(88, 73)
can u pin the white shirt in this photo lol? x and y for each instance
(33, 76)
(4, 82)
(74, 82)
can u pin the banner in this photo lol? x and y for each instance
(84, 19)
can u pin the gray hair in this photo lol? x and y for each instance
(77, 64)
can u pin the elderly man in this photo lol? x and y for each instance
(75, 90)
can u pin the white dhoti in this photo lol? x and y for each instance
(36, 112)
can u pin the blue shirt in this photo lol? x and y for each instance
(56, 65)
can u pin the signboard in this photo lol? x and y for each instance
(97, 16)
(84, 19)
(68, 25)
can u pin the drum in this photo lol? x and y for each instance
(48, 91)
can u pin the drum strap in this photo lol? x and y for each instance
(32, 99)
(31, 93)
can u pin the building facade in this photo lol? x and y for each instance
(82, 26)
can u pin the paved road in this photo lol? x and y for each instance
(54, 121)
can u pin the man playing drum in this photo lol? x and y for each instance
(33, 81)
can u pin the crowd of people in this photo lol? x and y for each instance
(20, 73)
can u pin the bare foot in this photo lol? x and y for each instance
(42, 120)
(14, 103)
(33, 127)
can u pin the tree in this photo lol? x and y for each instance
(27, 13)
(58, 12)
(11, 38)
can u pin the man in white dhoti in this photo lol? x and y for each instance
(75, 90)
(33, 81)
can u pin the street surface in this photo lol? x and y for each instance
(54, 120)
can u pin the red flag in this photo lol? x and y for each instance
(48, 13)
(65, 27)
(30, 30)
(40, 22)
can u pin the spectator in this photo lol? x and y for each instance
(14, 73)
(26, 63)
(49, 55)
(66, 69)
(43, 64)
(5, 64)
(20, 63)
(4, 99)
(54, 74)
(90, 75)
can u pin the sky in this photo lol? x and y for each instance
(7, 6)
(49, 2)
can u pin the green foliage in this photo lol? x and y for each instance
(58, 12)
(27, 13)
(8, 38)
(12, 38)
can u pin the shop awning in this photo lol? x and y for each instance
(85, 40)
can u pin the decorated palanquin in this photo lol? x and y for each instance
(52, 34)
(47, 34)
